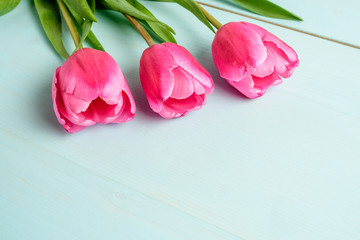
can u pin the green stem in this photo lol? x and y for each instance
(69, 23)
(141, 30)
(210, 17)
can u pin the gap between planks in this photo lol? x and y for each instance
(279, 25)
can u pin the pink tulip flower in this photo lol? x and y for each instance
(251, 59)
(173, 81)
(90, 88)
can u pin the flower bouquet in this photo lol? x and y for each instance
(90, 87)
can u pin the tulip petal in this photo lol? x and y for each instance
(120, 101)
(249, 44)
(173, 81)
(156, 77)
(251, 59)
(199, 88)
(88, 88)
(102, 112)
(182, 104)
(286, 50)
(99, 111)
(76, 115)
(127, 112)
(283, 66)
(177, 108)
(246, 87)
(236, 46)
(90, 73)
(59, 108)
(187, 61)
(183, 86)
(76, 105)
(267, 81)
(280, 59)
(265, 69)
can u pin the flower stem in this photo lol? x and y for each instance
(141, 30)
(69, 23)
(210, 17)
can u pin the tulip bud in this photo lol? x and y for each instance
(173, 81)
(90, 88)
(251, 59)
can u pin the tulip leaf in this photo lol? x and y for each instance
(92, 5)
(193, 7)
(164, 31)
(141, 13)
(86, 26)
(267, 9)
(81, 7)
(8, 5)
(125, 7)
(90, 36)
(51, 21)
(85, 30)
(94, 41)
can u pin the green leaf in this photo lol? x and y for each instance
(94, 41)
(267, 9)
(7, 5)
(125, 7)
(92, 5)
(161, 29)
(81, 7)
(193, 7)
(86, 25)
(91, 36)
(51, 21)
(85, 30)
(141, 13)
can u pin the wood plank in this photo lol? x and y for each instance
(329, 19)
(282, 167)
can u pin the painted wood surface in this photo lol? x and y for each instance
(331, 19)
(281, 167)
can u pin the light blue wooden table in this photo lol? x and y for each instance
(285, 166)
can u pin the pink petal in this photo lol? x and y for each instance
(76, 115)
(127, 112)
(119, 100)
(99, 111)
(75, 105)
(90, 73)
(291, 55)
(102, 112)
(59, 108)
(156, 77)
(183, 86)
(282, 64)
(265, 69)
(266, 82)
(199, 88)
(187, 61)
(177, 108)
(246, 87)
(236, 46)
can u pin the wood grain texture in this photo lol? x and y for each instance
(328, 19)
(281, 167)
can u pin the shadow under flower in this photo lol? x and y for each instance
(44, 109)
(142, 106)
